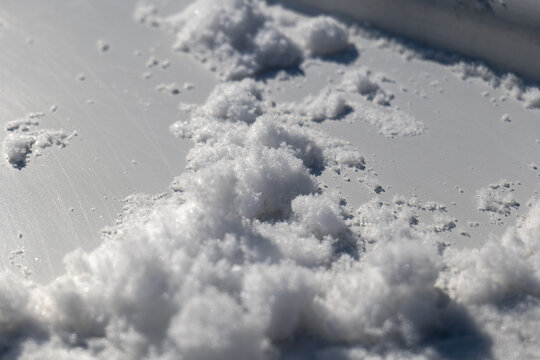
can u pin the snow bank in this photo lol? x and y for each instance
(24, 140)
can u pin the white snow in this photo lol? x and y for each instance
(251, 254)
(364, 82)
(498, 199)
(328, 104)
(391, 122)
(252, 257)
(240, 38)
(510, 83)
(24, 140)
(324, 35)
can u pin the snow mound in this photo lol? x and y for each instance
(241, 38)
(324, 35)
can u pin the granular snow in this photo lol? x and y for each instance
(240, 38)
(391, 122)
(24, 140)
(251, 258)
(324, 35)
(497, 199)
(367, 84)
(511, 84)
(328, 104)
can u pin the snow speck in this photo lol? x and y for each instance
(171, 88)
(103, 45)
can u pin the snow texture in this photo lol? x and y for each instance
(328, 104)
(324, 35)
(512, 85)
(367, 84)
(498, 199)
(24, 140)
(251, 257)
(391, 122)
(241, 38)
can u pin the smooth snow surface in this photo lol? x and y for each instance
(253, 255)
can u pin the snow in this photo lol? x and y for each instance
(24, 140)
(498, 199)
(328, 104)
(364, 82)
(392, 122)
(251, 253)
(253, 257)
(239, 38)
(324, 35)
(513, 86)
